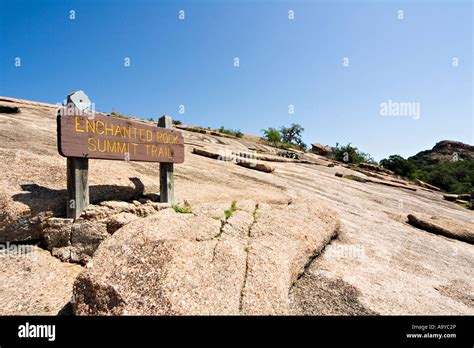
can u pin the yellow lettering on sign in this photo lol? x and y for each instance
(91, 125)
(110, 148)
(98, 145)
(97, 127)
(126, 131)
(118, 130)
(111, 129)
(77, 125)
(159, 137)
(140, 131)
(156, 142)
(91, 142)
(149, 135)
(122, 149)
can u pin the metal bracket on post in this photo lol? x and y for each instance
(166, 169)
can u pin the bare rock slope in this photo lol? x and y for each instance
(287, 263)
(173, 263)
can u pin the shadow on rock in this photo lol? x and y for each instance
(43, 199)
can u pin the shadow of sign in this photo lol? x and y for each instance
(42, 199)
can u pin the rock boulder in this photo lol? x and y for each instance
(188, 264)
(443, 226)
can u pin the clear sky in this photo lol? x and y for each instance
(424, 58)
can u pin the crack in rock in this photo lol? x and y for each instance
(247, 250)
(315, 255)
(247, 264)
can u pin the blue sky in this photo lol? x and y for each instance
(283, 62)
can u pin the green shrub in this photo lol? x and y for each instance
(272, 135)
(399, 165)
(453, 177)
(350, 154)
(292, 135)
(235, 133)
(187, 209)
(197, 129)
(119, 115)
(286, 137)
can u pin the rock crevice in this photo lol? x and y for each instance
(258, 255)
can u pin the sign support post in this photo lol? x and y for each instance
(166, 169)
(77, 186)
(77, 170)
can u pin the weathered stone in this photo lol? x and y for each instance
(76, 240)
(145, 210)
(119, 220)
(263, 167)
(443, 226)
(374, 168)
(118, 206)
(95, 212)
(284, 156)
(72, 240)
(63, 253)
(426, 185)
(380, 181)
(57, 232)
(35, 283)
(184, 264)
(159, 206)
(213, 154)
(451, 198)
(86, 236)
(319, 149)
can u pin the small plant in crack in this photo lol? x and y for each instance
(254, 214)
(186, 209)
(229, 212)
(247, 250)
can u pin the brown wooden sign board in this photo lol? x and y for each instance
(107, 137)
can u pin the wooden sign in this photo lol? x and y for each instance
(83, 134)
(107, 137)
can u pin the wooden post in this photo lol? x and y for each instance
(77, 180)
(166, 169)
(77, 186)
